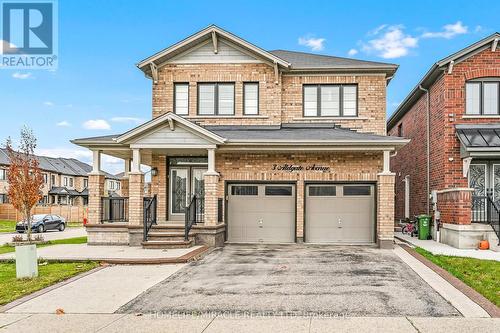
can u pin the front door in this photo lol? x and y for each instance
(484, 178)
(184, 183)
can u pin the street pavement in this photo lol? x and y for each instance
(48, 235)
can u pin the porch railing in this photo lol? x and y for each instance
(485, 210)
(149, 215)
(194, 214)
(114, 209)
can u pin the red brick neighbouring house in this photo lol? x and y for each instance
(452, 164)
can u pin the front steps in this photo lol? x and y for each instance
(167, 236)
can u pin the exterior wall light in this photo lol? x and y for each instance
(154, 172)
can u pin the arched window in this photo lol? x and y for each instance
(482, 96)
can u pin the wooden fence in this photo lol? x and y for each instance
(70, 213)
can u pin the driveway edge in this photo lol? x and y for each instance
(476, 297)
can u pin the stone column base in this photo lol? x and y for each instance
(212, 236)
(385, 244)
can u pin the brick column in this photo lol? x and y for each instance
(455, 205)
(385, 210)
(136, 197)
(96, 191)
(211, 181)
(124, 186)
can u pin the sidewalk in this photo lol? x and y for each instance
(113, 254)
(440, 248)
(151, 323)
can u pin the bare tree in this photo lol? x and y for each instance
(24, 176)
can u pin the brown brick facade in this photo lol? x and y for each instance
(447, 108)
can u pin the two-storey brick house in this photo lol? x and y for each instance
(254, 146)
(452, 163)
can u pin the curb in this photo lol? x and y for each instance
(191, 256)
(476, 297)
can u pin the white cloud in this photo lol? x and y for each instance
(134, 120)
(48, 103)
(316, 44)
(96, 124)
(390, 42)
(449, 31)
(63, 123)
(21, 76)
(352, 52)
(478, 28)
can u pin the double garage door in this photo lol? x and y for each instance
(334, 213)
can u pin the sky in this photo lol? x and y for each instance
(98, 90)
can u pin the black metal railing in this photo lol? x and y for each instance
(194, 214)
(485, 210)
(114, 209)
(220, 210)
(149, 215)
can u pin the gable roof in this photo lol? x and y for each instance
(167, 118)
(303, 60)
(435, 72)
(203, 35)
(288, 60)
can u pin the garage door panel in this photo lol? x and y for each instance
(354, 208)
(262, 218)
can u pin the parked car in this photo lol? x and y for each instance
(43, 222)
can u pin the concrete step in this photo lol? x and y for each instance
(162, 235)
(170, 244)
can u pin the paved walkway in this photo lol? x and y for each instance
(103, 291)
(97, 252)
(147, 323)
(49, 235)
(440, 248)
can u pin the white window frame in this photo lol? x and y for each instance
(245, 95)
(176, 86)
(216, 98)
(481, 83)
(341, 108)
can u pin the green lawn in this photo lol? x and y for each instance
(7, 226)
(75, 240)
(481, 275)
(10, 226)
(48, 274)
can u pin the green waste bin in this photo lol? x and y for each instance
(424, 226)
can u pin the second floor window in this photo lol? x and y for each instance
(482, 97)
(45, 178)
(330, 100)
(85, 183)
(215, 99)
(181, 99)
(71, 182)
(53, 179)
(65, 181)
(3, 174)
(251, 98)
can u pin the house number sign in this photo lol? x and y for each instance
(298, 168)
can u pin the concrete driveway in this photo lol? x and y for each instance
(298, 280)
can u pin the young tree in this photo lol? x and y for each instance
(24, 176)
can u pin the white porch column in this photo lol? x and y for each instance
(136, 161)
(96, 162)
(127, 167)
(387, 162)
(211, 162)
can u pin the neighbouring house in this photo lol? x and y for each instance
(251, 146)
(65, 181)
(452, 164)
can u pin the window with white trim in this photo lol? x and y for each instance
(482, 97)
(251, 98)
(181, 99)
(3, 174)
(215, 99)
(330, 100)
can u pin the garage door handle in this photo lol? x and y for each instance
(260, 223)
(340, 223)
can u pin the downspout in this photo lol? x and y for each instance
(428, 144)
